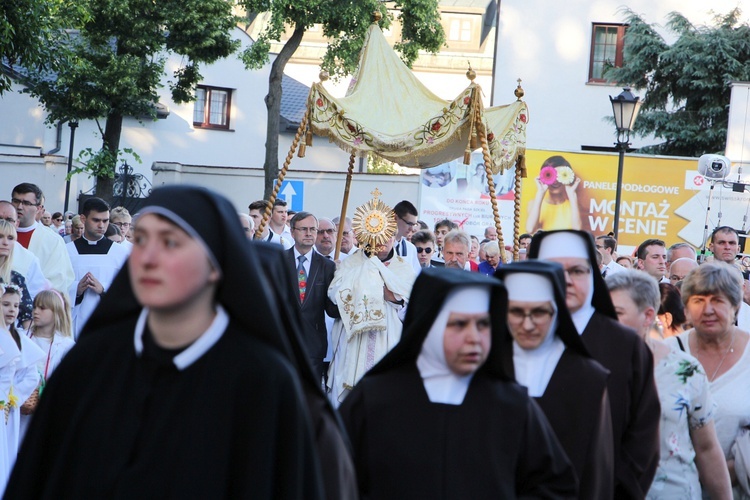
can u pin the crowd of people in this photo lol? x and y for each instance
(195, 355)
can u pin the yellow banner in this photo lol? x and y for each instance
(661, 197)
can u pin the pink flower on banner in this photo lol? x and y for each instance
(548, 175)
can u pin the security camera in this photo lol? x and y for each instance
(714, 166)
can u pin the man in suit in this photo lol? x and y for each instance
(634, 402)
(313, 274)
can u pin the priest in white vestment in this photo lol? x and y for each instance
(371, 289)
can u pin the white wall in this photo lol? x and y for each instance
(548, 47)
(173, 139)
(323, 192)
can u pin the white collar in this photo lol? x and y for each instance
(93, 243)
(308, 255)
(197, 348)
(582, 316)
(27, 229)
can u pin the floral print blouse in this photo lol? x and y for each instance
(686, 404)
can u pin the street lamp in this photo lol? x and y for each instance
(625, 108)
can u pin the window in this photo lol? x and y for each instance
(460, 30)
(606, 49)
(212, 107)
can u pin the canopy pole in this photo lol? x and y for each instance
(520, 174)
(482, 133)
(342, 218)
(282, 173)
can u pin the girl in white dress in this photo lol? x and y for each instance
(51, 331)
(9, 356)
(24, 377)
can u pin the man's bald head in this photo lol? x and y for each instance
(8, 212)
(680, 268)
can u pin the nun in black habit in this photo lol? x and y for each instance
(634, 402)
(177, 388)
(331, 442)
(549, 359)
(432, 420)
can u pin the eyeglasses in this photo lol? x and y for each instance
(410, 224)
(329, 232)
(122, 224)
(537, 316)
(26, 203)
(425, 250)
(58, 219)
(312, 230)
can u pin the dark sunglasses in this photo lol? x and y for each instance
(425, 250)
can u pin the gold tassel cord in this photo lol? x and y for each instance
(491, 184)
(282, 174)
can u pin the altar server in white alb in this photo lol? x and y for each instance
(96, 260)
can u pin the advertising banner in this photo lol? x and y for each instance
(663, 198)
(459, 193)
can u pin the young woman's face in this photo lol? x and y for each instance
(168, 269)
(466, 342)
(6, 244)
(9, 305)
(43, 317)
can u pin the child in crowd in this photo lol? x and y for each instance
(51, 332)
(23, 376)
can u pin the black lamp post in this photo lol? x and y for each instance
(73, 125)
(625, 108)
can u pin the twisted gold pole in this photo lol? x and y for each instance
(282, 173)
(482, 132)
(342, 218)
(517, 214)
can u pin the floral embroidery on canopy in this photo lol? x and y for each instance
(428, 131)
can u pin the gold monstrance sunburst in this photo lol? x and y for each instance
(374, 223)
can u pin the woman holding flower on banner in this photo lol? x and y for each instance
(559, 210)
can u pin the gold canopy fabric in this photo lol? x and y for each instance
(389, 112)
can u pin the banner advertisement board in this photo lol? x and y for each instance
(663, 198)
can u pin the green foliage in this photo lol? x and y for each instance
(28, 28)
(687, 83)
(378, 165)
(102, 163)
(112, 63)
(345, 23)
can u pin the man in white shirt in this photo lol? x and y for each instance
(652, 258)
(606, 246)
(313, 274)
(277, 225)
(406, 222)
(325, 242)
(41, 241)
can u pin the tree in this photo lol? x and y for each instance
(113, 64)
(27, 28)
(345, 23)
(687, 83)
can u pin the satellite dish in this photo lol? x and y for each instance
(715, 167)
